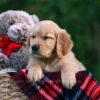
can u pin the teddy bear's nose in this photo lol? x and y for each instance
(35, 48)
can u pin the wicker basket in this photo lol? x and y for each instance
(9, 89)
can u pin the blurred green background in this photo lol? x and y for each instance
(81, 18)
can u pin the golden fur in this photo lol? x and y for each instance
(54, 53)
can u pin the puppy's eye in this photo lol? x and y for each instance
(33, 36)
(46, 37)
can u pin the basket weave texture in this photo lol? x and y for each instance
(9, 89)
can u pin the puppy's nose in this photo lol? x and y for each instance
(35, 48)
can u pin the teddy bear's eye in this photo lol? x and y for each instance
(11, 23)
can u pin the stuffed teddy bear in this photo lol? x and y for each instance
(15, 27)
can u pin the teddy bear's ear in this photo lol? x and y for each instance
(35, 18)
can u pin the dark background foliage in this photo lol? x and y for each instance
(80, 18)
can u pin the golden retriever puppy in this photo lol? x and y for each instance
(50, 50)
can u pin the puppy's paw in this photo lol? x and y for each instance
(68, 80)
(35, 74)
(3, 59)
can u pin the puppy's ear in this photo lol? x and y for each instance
(64, 43)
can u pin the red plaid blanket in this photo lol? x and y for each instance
(50, 87)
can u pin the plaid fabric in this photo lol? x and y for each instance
(50, 87)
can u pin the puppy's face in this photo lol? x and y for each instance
(42, 41)
(47, 39)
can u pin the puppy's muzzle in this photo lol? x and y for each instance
(35, 49)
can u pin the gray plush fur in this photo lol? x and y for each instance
(17, 25)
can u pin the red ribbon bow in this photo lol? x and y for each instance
(8, 46)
